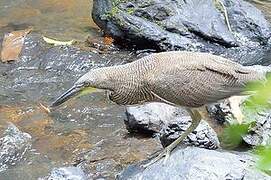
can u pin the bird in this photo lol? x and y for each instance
(180, 78)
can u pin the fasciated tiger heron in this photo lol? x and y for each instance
(179, 78)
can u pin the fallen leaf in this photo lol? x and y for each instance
(12, 45)
(46, 109)
(56, 42)
(108, 40)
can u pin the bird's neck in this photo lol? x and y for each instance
(119, 76)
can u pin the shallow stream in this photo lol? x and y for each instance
(89, 126)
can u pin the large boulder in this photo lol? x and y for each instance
(197, 25)
(194, 163)
(169, 122)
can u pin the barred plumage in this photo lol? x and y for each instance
(182, 78)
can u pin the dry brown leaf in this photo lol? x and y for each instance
(12, 45)
(108, 40)
(46, 109)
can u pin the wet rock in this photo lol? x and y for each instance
(150, 117)
(220, 112)
(170, 122)
(13, 145)
(186, 25)
(260, 134)
(203, 136)
(113, 153)
(66, 173)
(194, 163)
(44, 71)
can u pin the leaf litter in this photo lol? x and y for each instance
(12, 45)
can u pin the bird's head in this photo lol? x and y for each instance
(87, 84)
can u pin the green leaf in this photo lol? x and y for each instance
(232, 135)
(264, 161)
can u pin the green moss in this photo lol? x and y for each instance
(159, 23)
(130, 10)
(112, 13)
(117, 2)
(115, 9)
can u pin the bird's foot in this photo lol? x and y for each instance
(165, 153)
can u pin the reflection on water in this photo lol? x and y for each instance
(62, 19)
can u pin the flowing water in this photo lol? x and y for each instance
(62, 19)
(89, 125)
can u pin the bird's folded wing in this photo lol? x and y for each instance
(193, 86)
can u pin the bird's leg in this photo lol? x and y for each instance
(196, 117)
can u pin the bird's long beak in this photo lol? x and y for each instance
(72, 92)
